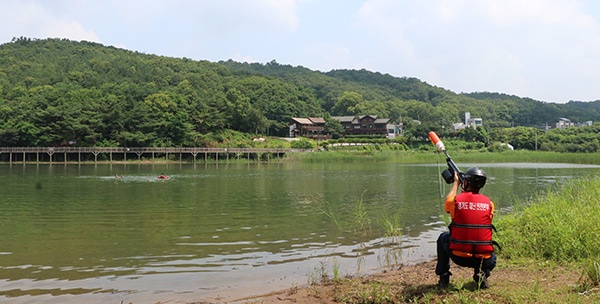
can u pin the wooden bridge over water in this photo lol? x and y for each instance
(120, 154)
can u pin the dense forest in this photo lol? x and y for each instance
(57, 92)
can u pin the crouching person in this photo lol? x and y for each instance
(469, 241)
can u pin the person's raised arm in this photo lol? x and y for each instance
(454, 189)
(449, 203)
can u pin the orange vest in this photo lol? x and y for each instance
(471, 227)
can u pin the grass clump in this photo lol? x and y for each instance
(590, 278)
(373, 292)
(562, 226)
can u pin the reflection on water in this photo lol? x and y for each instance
(74, 234)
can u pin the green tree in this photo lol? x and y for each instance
(518, 137)
(333, 127)
(347, 104)
(238, 109)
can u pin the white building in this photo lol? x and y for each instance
(394, 130)
(564, 123)
(472, 122)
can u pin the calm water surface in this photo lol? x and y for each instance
(76, 234)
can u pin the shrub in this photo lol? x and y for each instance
(302, 143)
(497, 147)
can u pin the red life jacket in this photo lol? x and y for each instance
(471, 227)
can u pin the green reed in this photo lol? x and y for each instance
(393, 240)
(358, 222)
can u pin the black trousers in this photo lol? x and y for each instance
(444, 254)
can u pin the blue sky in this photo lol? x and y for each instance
(548, 50)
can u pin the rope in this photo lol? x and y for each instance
(440, 184)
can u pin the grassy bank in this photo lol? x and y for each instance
(408, 157)
(429, 156)
(524, 156)
(562, 228)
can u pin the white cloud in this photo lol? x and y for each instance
(512, 46)
(71, 30)
(31, 19)
(281, 12)
(326, 57)
(234, 15)
(139, 12)
(258, 16)
(243, 58)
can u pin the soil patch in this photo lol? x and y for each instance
(418, 283)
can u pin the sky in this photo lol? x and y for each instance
(547, 50)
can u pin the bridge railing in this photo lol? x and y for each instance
(143, 150)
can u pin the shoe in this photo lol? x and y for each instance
(444, 280)
(481, 281)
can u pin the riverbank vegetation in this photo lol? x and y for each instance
(560, 228)
(432, 157)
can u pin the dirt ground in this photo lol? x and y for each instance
(418, 281)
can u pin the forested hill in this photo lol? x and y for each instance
(415, 99)
(55, 91)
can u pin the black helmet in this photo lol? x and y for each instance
(476, 177)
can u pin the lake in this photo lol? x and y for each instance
(77, 234)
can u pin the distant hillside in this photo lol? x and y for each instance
(399, 95)
(55, 91)
(592, 108)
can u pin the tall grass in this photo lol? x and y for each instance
(393, 239)
(428, 156)
(561, 226)
(357, 221)
(523, 156)
(406, 157)
(361, 220)
(341, 156)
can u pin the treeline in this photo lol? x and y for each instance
(58, 92)
(574, 139)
